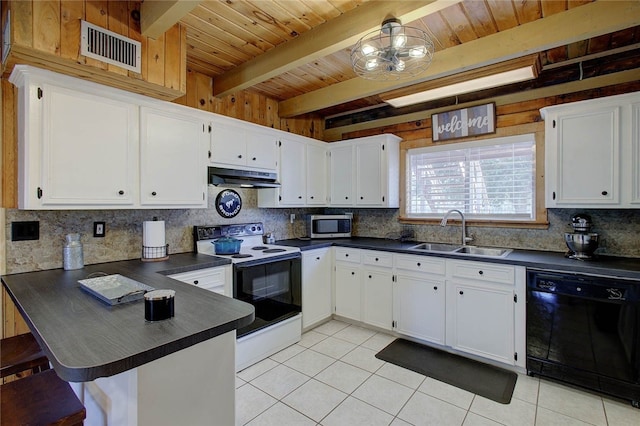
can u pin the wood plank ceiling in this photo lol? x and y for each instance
(224, 35)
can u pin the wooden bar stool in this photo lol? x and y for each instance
(21, 353)
(40, 399)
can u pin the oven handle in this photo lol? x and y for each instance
(258, 262)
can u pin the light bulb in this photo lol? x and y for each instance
(368, 49)
(399, 41)
(371, 64)
(417, 52)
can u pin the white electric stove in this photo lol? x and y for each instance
(269, 277)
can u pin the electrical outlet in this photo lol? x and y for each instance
(292, 217)
(99, 229)
(25, 231)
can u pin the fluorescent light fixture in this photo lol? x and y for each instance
(466, 85)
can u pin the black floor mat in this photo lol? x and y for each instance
(482, 379)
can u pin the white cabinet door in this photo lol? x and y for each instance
(262, 150)
(173, 167)
(482, 320)
(316, 286)
(635, 155)
(377, 292)
(419, 306)
(89, 150)
(243, 145)
(316, 162)
(228, 143)
(216, 279)
(342, 176)
(348, 291)
(292, 173)
(583, 155)
(369, 174)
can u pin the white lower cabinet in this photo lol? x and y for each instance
(377, 289)
(481, 309)
(472, 307)
(316, 286)
(419, 297)
(218, 279)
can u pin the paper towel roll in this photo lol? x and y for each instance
(153, 236)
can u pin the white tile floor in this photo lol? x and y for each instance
(331, 377)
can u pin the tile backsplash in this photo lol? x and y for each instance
(618, 230)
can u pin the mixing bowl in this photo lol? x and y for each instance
(582, 245)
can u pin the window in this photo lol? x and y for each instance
(492, 179)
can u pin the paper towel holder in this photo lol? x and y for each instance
(150, 254)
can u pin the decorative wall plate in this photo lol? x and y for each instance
(228, 203)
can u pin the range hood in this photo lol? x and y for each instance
(242, 178)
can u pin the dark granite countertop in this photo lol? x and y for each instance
(85, 338)
(600, 265)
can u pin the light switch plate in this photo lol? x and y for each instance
(99, 229)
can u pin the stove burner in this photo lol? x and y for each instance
(274, 250)
(241, 256)
(259, 248)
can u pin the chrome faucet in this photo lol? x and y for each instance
(465, 239)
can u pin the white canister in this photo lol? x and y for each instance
(72, 255)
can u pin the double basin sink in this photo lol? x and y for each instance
(455, 248)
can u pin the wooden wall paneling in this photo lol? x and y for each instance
(272, 119)
(22, 29)
(204, 92)
(183, 59)
(173, 58)
(9, 143)
(13, 323)
(71, 13)
(97, 13)
(46, 26)
(135, 33)
(155, 58)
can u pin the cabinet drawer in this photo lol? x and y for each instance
(347, 255)
(488, 272)
(377, 258)
(211, 278)
(420, 264)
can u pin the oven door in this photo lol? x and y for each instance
(272, 285)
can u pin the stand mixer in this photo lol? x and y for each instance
(581, 242)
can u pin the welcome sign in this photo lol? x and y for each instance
(472, 121)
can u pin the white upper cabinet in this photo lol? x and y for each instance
(88, 150)
(243, 145)
(302, 171)
(316, 161)
(87, 146)
(173, 164)
(365, 172)
(589, 153)
(341, 174)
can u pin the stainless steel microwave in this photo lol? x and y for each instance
(330, 225)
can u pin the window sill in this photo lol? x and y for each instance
(478, 223)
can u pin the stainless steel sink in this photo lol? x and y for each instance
(436, 247)
(484, 251)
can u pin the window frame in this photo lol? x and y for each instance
(541, 220)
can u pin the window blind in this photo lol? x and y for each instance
(490, 179)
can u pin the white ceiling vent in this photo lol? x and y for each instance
(107, 46)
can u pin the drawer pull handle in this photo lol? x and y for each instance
(461, 292)
(195, 282)
(353, 273)
(254, 158)
(121, 192)
(240, 156)
(377, 259)
(604, 192)
(419, 264)
(480, 272)
(369, 276)
(346, 255)
(317, 258)
(435, 287)
(154, 193)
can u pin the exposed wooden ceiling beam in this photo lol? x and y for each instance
(157, 16)
(626, 76)
(330, 37)
(581, 23)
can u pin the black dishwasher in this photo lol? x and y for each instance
(585, 330)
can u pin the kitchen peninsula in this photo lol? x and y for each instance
(131, 371)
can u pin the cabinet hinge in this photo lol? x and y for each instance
(209, 128)
(515, 298)
(393, 324)
(39, 93)
(209, 154)
(383, 147)
(203, 196)
(279, 143)
(515, 356)
(39, 192)
(554, 124)
(383, 198)
(554, 195)
(279, 197)
(393, 278)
